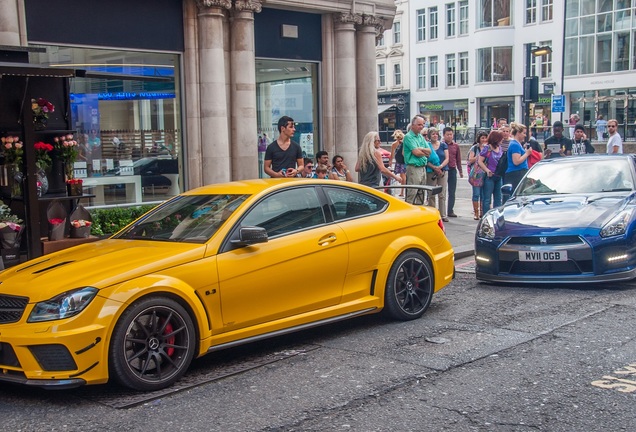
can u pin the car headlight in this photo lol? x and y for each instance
(618, 224)
(62, 306)
(486, 229)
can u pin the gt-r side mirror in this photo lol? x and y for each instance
(506, 189)
(249, 235)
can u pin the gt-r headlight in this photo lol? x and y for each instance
(62, 306)
(486, 228)
(618, 224)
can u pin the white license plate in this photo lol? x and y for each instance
(543, 256)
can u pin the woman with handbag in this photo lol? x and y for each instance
(476, 174)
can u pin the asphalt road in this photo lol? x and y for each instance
(491, 358)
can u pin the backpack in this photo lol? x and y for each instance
(502, 165)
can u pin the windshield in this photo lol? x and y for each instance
(578, 176)
(190, 219)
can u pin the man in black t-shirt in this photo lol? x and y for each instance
(284, 157)
(580, 145)
(557, 145)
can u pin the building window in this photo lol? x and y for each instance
(463, 69)
(381, 76)
(450, 20)
(451, 70)
(397, 75)
(463, 17)
(421, 73)
(397, 39)
(380, 41)
(432, 69)
(494, 13)
(421, 25)
(546, 10)
(531, 11)
(494, 64)
(432, 22)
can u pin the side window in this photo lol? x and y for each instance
(347, 204)
(287, 211)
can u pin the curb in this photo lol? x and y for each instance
(464, 252)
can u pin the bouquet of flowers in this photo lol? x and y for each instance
(10, 228)
(68, 149)
(13, 151)
(41, 108)
(42, 157)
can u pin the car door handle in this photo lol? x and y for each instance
(329, 238)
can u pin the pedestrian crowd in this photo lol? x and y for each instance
(431, 157)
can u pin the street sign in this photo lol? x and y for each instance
(558, 103)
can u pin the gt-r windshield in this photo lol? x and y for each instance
(578, 176)
(190, 219)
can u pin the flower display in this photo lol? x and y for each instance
(78, 223)
(56, 221)
(68, 149)
(74, 186)
(7, 218)
(42, 157)
(41, 108)
(13, 150)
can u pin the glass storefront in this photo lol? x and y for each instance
(451, 113)
(126, 114)
(619, 104)
(287, 88)
(495, 108)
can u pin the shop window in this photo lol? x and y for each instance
(126, 116)
(286, 88)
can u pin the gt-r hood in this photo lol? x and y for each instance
(99, 264)
(562, 211)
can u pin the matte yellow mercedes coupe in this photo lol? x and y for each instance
(211, 268)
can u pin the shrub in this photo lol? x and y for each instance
(109, 221)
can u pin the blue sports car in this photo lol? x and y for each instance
(570, 220)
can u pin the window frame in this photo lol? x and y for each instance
(463, 69)
(421, 73)
(420, 23)
(451, 20)
(397, 33)
(433, 72)
(451, 70)
(531, 12)
(547, 10)
(464, 16)
(397, 74)
(381, 76)
(433, 23)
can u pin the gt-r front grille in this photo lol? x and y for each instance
(54, 357)
(547, 240)
(555, 268)
(11, 308)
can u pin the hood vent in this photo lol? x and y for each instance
(52, 267)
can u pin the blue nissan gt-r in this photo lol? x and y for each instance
(570, 220)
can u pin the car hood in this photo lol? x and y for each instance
(562, 211)
(99, 264)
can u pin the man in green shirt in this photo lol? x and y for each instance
(416, 153)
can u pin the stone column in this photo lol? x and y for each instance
(192, 152)
(9, 23)
(345, 124)
(367, 99)
(243, 90)
(215, 140)
(327, 135)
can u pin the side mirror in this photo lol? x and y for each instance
(249, 235)
(506, 189)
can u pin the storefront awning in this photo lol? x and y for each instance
(384, 107)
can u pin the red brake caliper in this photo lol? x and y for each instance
(170, 340)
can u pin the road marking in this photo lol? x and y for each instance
(621, 384)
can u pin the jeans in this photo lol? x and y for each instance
(491, 187)
(478, 192)
(452, 187)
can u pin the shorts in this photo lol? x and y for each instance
(399, 168)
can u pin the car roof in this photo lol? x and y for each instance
(588, 157)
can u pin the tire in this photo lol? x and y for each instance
(409, 287)
(152, 345)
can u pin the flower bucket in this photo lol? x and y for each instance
(81, 222)
(74, 187)
(56, 215)
(10, 235)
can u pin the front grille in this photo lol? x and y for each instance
(12, 308)
(7, 355)
(556, 268)
(553, 240)
(53, 357)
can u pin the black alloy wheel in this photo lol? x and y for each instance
(409, 287)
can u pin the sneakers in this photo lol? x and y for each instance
(445, 219)
(452, 215)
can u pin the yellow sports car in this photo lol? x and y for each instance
(214, 267)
